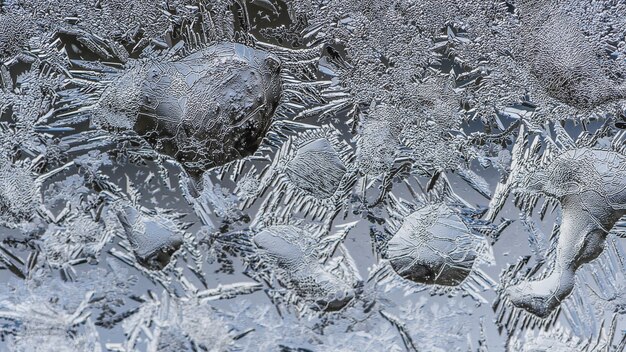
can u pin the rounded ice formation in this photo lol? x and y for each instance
(153, 238)
(432, 246)
(205, 110)
(591, 187)
(562, 58)
(316, 168)
(291, 251)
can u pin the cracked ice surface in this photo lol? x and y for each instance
(312, 175)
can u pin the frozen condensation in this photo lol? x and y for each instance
(312, 175)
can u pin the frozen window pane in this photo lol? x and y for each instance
(312, 175)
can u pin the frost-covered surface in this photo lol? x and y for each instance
(312, 175)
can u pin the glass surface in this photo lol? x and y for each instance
(312, 175)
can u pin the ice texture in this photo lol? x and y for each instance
(430, 247)
(312, 175)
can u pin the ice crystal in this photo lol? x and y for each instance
(312, 175)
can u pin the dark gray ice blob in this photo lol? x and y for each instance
(205, 110)
(432, 247)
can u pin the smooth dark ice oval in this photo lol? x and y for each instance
(428, 247)
(211, 107)
(205, 110)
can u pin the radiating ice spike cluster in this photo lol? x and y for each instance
(312, 175)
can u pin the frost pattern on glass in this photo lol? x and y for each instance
(312, 175)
